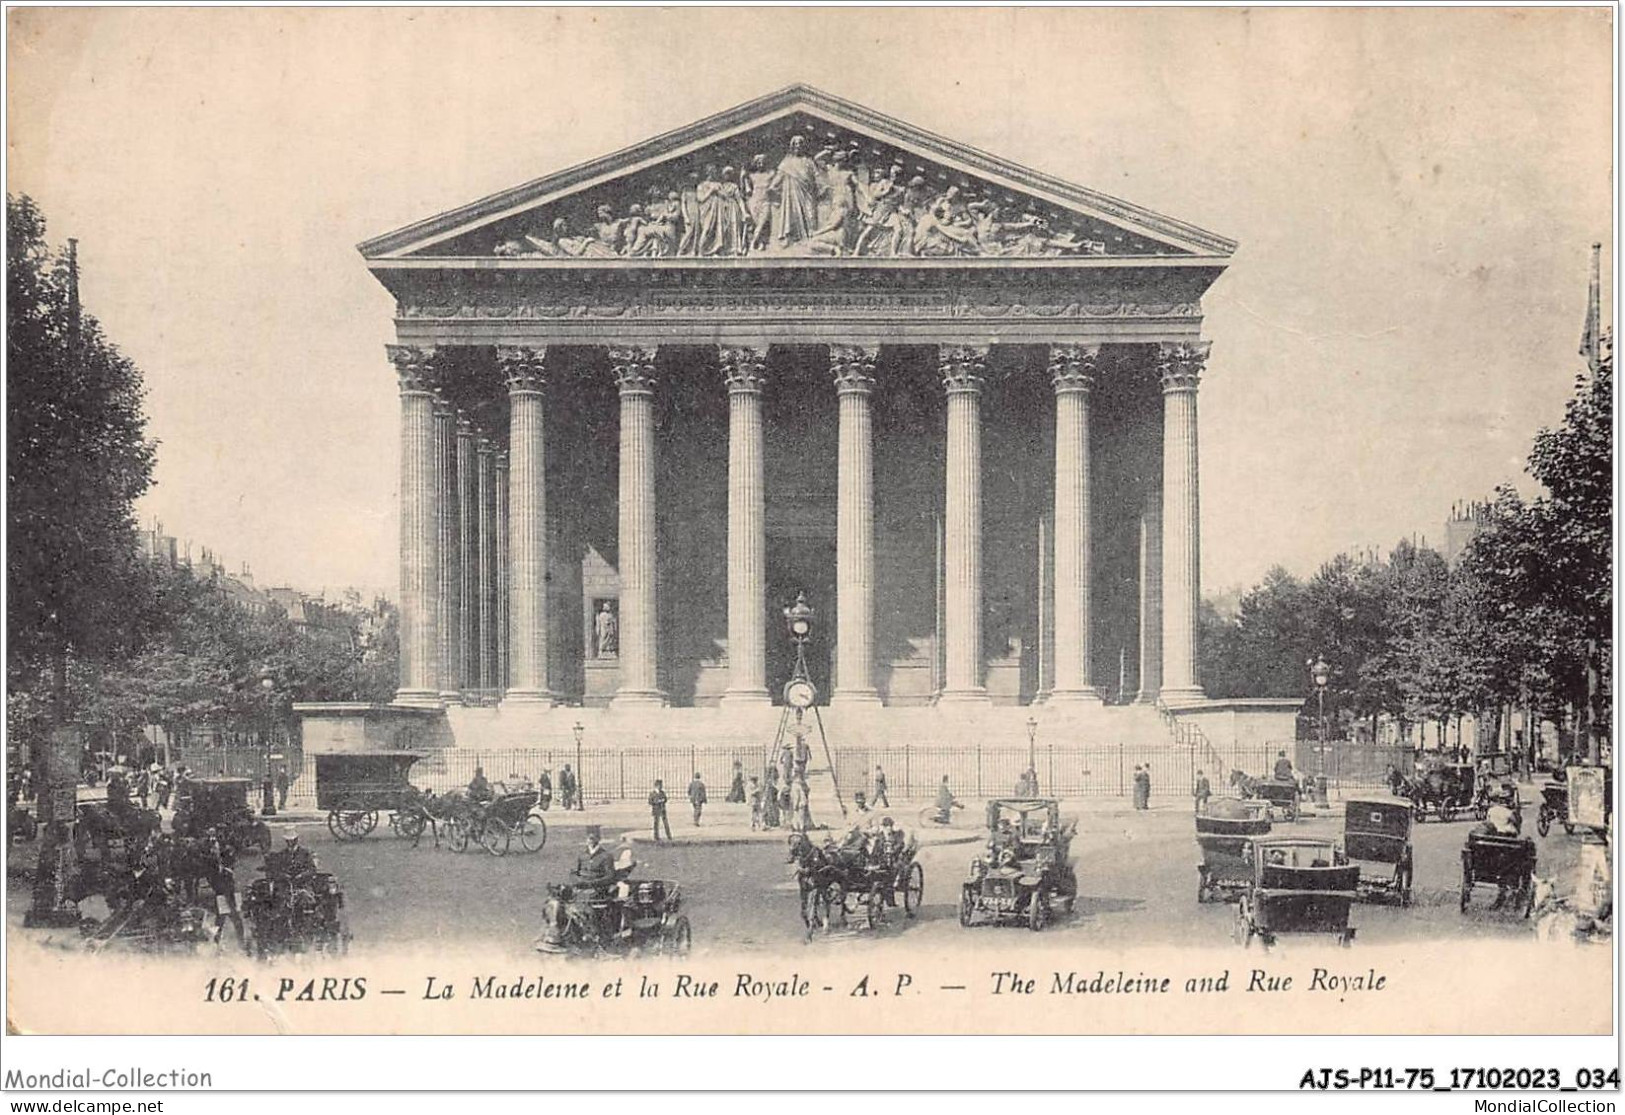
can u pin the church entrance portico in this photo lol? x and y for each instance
(951, 400)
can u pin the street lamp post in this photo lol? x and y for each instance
(267, 785)
(581, 787)
(1321, 673)
(1032, 755)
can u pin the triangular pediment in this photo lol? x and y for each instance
(796, 174)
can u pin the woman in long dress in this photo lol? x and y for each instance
(770, 800)
(724, 233)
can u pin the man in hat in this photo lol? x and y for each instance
(657, 810)
(479, 787)
(594, 874)
(880, 789)
(696, 796)
(1283, 767)
(294, 859)
(890, 842)
(1201, 791)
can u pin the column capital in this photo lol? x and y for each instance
(523, 367)
(853, 367)
(634, 369)
(1072, 367)
(465, 424)
(1181, 364)
(483, 444)
(501, 456)
(415, 368)
(963, 368)
(442, 405)
(744, 368)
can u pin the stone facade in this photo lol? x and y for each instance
(970, 439)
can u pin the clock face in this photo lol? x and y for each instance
(800, 694)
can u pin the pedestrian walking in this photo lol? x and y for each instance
(1201, 791)
(567, 788)
(142, 786)
(1142, 788)
(880, 789)
(657, 810)
(696, 796)
(736, 788)
(166, 784)
(282, 788)
(801, 806)
(770, 800)
(754, 796)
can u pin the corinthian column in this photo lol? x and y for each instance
(640, 622)
(1181, 367)
(420, 491)
(1150, 599)
(527, 527)
(1072, 374)
(744, 370)
(468, 525)
(962, 370)
(500, 536)
(449, 618)
(485, 579)
(854, 371)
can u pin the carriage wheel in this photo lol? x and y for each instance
(457, 834)
(533, 834)
(409, 824)
(1447, 812)
(874, 907)
(332, 824)
(913, 890)
(1543, 823)
(678, 937)
(495, 837)
(1038, 910)
(967, 906)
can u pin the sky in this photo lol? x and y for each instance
(1414, 191)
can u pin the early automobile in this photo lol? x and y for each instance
(1444, 789)
(355, 786)
(1298, 886)
(1504, 862)
(1225, 833)
(1283, 795)
(151, 914)
(221, 804)
(1554, 806)
(633, 915)
(294, 908)
(1377, 833)
(1025, 868)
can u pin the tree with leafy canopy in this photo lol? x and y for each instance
(77, 458)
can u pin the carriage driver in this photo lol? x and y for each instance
(889, 842)
(293, 859)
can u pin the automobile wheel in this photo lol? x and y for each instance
(913, 890)
(1543, 823)
(679, 937)
(967, 906)
(457, 834)
(533, 834)
(1038, 910)
(495, 837)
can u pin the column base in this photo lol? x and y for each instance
(638, 699)
(974, 696)
(745, 698)
(855, 698)
(1182, 695)
(1076, 697)
(1147, 698)
(451, 697)
(417, 698)
(535, 698)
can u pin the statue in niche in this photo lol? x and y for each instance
(606, 633)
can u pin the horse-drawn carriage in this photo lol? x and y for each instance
(1505, 862)
(1443, 790)
(1298, 886)
(498, 824)
(354, 787)
(1027, 866)
(859, 879)
(1377, 831)
(221, 804)
(631, 916)
(1225, 833)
